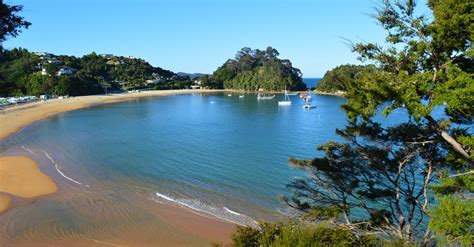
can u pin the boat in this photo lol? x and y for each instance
(265, 97)
(308, 106)
(287, 100)
(230, 95)
(241, 96)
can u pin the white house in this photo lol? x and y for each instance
(65, 71)
(54, 61)
(44, 72)
(154, 81)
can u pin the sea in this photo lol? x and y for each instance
(219, 154)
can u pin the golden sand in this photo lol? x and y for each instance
(15, 118)
(4, 203)
(20, 176)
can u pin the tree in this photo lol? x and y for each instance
(425, 66)
(382, 173)
(10, 23)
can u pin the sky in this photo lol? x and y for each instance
(200, 35)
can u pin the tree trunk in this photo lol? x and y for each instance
(457, 147)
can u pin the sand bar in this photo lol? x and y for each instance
(20, 176)
(13, 119)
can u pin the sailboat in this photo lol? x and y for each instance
(287, 100)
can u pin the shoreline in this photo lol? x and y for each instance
(15, 118)
(336, 93)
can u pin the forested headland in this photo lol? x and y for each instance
(254, 69)
(342, 77)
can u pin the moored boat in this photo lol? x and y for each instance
(265, 97)
(308, 106)
(287, 100)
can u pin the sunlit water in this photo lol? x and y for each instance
(217, 154)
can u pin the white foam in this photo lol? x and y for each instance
(166, 197)
(232, 212)
(222, 213)
(28, 150)
(59, 171)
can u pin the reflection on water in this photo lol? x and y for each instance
(117, 164)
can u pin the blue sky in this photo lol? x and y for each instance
(198, 36)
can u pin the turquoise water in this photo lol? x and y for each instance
(226, 156)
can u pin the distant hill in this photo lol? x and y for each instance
(35, 73)
(191, 75)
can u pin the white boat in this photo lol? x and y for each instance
(230, 95)
(308, 106)
(264, 97)
(287, 100)
(241, 96)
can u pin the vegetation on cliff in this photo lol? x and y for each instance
(258, 69)
(342, 77)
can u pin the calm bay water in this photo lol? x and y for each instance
(226, 156)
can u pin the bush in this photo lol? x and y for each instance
(294, 234)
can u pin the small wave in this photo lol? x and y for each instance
(232, 212)
(60, 172)
(222, 213)
(103, 242)
(28, 150)
(166, 197)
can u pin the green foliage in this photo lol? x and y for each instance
(342, 77)
(322, 213)
(296, 234)
(258, 69)
(454, 185)
(453, 220)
